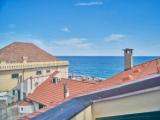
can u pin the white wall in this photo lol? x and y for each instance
(86, 114)
(139, 103)
(36, 106)
(26, 109)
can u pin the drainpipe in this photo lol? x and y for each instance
(21, 88)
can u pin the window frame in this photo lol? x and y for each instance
(48, 71)
(15, 75)
(39, 72)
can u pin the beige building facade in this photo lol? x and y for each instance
(10, 73)
(23, 67)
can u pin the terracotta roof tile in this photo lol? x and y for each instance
(50, 94)
(17, 50)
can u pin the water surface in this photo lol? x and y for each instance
(100, 66)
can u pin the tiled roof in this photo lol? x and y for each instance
(137, 72)
(50, 94)
(14, 53)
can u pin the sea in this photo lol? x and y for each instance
(100, 66)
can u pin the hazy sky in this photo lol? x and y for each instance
(83, 27)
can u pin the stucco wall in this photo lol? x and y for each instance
(25, 109)
(7, 83)
(86, 114)
(36, 106)
(145, 102)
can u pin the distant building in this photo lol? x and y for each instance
(23, 67)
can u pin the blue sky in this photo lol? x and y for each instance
(83, 27)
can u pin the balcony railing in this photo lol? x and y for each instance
(16, 66)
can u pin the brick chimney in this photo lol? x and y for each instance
(24, 59)
(128, 58)
(66, 91)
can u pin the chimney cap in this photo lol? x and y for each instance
(128, 49)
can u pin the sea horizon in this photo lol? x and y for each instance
(100, 66)
(105, 56)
